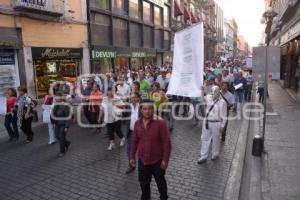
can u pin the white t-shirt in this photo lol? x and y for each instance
(219, 111)
(123, 91)
(111, 111)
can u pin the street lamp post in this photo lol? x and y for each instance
(268, 16)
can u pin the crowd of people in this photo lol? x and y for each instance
(136, 99)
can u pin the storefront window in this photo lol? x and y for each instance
(121, 63)
(102, 65)
(167, 16)
(119, 7)
(134, 8)
(136, 63)
(147, 12)
(8, 70)
(157, 16)
(50, 71)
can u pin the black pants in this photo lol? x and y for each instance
(87, 114)
(61, 135)
(226, 125)
(10, 124)
(94, 117)
(113, 128)
(180, 99)
(248, 93)
(26, 127)
(145, 176)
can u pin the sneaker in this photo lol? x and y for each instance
(61, 155)
(122, 142)
(52, 142)
(111, 146)
(214, 158)
(27, 141)
(202, 161)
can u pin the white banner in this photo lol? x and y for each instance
(188, 62)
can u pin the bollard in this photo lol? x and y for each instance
(257, 146)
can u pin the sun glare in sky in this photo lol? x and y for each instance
(248, 14)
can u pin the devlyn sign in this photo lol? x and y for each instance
(104, 54)
(114, 54)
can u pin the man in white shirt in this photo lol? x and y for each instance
(134, 116)
(163, 80)
(228, 97)
(213, 124)
(123, 89)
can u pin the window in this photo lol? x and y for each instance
(167, 16)
(134, 8)
(120, 32)
(148, 37)
(119, 7)
(157, 16)
(136, 35)
(147, 12)
(103, 4)
(101, 29)
(158, 39)
(167, 40)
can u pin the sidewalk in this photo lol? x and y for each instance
(281, 172)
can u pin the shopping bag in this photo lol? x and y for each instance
(46, 116)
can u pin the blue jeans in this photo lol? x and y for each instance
(239, 97)
(10, 124)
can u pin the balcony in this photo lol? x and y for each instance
(54, 8)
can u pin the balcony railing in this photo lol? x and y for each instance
(45, 7)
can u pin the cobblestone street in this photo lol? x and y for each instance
(89, 171)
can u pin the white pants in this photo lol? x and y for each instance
(52, 137)
(210, 135)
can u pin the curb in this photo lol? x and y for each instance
(233, 185)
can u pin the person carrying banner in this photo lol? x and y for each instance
(213, 124)
(228, 97)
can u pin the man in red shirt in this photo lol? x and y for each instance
(152, 140)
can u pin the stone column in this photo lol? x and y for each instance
(29, 72)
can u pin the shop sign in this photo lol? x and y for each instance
(150, 54)
(138, 54)
(104, 54)
(123, 54)
(7, 57)
(55, 53)
(53, 6)
(293, 32)
(8, 43)
(158, 2)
